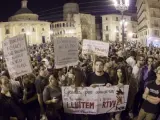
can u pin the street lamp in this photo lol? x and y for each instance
(122, 6)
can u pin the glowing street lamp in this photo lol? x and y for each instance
(122, 6)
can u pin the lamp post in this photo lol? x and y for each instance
(122, 6)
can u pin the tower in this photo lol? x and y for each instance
(69, 9)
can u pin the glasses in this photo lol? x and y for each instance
(150, 61)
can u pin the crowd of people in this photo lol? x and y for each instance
(38, 95)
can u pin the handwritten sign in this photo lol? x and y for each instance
(95, 47)
(97, 100)
(16, 56)
(66, 52)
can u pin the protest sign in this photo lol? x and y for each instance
(97, 100)
(95, 47)
(66, 52)
(16, 56)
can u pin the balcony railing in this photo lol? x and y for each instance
(144, 27)
(155, 16)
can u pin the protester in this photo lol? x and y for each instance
(39, 94)
(98, 78)
(151, 97)
(52, 97)
(9, 104)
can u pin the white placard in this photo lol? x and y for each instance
(16, 56)
(95, 47)
(97, 100)
(66, 52)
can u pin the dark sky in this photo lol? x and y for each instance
(52, 9)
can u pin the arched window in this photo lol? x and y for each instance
(33, 30)
(23, 30)
(63, 24)
(7, 31)
(42, 29)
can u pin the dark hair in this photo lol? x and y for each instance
(120, 59)
(124, 76)
(133, 53)
(150, 57)
(114, 59)
(99, 60)
(79, 77)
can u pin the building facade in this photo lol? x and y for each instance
(148, 13)
(75, 24)
(112, 28)
(25, 22)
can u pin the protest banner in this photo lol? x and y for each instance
(95, 47)
(97, 100)
(66, 52)
(16, 56)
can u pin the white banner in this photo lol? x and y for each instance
(95, 47)
(66, 52)
(97, 100)
(16, 56)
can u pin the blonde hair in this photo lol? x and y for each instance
(3, 77)
(158, 68)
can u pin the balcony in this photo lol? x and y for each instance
(144, 27)
(142, 20)
(155, 25)
(139, 14)
(155, 5)
(155, 16)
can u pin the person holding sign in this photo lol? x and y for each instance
(95, 79)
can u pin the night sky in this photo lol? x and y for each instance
(52, 9)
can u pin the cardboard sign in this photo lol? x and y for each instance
(95, 47)
(66, 52)
(16, 56)
(97, 100)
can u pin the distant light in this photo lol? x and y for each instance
(28, 33)
(127, 2)
(130, 34)
(51, 32)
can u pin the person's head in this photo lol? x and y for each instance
(25, 80)
(158, 73)
(141, 60)
(5, 84)
(70, 70)
(113, 60)
(121, 75)
(133, 54)
(53, 81)
(43, 73)
(99, 66)
(150, 60)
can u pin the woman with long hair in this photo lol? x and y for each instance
(121, 80)
(52, 97)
